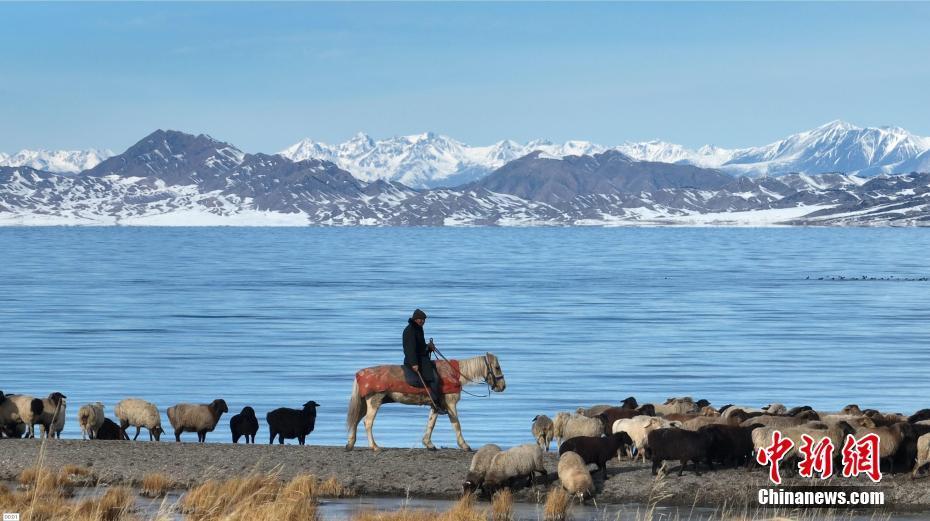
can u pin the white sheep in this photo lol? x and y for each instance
(139, 414)
(543, 431)
(199, 418)
(594, 410)
(90, 419)
(480, 463)
(522, 461)
(574, 475)
(567, 426)
(889, 437)
(923, 453)
(775, 408)
(26, 409)
(683, 405)
(749, 410)
(10, 420)
(639, 427)
(762, 436)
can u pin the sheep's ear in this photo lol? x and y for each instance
(535, 417)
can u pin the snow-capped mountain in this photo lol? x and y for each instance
(433, 160)
(426, 160)
(835, 147)
(58, 161)
(173, 178)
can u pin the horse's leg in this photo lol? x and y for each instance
(373, 402)
(430, 424)
(452, 401)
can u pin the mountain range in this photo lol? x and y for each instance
(433, 160)
(174, 178)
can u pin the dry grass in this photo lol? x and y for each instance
(557, 504)
(155, 485)
(114, 505)
(502, 505)
(260, 496)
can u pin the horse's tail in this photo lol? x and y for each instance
(357, 408)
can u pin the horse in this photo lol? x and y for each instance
(479, 369)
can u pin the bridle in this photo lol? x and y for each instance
(490, 377)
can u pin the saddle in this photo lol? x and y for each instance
(390, 378)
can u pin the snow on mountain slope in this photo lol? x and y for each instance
(835, 147)
(426, 160)
(58, 161)
(433, 160)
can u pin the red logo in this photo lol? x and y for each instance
(861, 457)
(816, 458)
(773, 454)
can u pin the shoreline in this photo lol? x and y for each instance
(403, 472)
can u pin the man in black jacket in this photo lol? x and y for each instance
(418, 368)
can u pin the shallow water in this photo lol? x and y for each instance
(276, 317)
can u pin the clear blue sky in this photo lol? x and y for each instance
(262, 76)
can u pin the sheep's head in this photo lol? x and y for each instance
(809, 415)
(845, 428)
(472, 483)
(851, 409)
(702, 403)
(56, 398)
(219, 405)
(311, 405)
(629, 403)
(794, 411)
(707, 410)
(248, 412)
(647, 410)
(157, 432)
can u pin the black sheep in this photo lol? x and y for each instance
(730, 443)
(111, 431)
(244, 424)
(794, 411)
(678, 444)
(905, 457)
(595, 449)
(292, 423)
(629, 403)
(921, 415)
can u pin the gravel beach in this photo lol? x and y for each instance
(399, 472)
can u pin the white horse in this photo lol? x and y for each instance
(479, 369)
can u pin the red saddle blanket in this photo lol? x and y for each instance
(383, 378)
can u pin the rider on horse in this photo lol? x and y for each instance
(419, 369)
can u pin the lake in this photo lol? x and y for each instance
(273, 317)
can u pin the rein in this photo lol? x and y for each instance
(489, 377)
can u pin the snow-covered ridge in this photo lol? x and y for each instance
(58, 161)
(431, 160)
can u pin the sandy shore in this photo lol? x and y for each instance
(397, 472)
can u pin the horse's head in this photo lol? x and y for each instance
(494, 376)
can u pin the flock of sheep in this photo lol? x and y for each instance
(685, 430)
(680, 429)
(19, 414)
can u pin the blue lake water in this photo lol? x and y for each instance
(274, 317)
